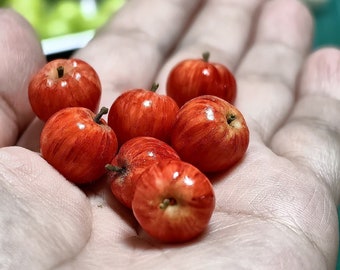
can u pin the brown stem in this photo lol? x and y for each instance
(154, 87)
(166, 202)
(113, 168)
(231, 118)
(60, 71)
(99, 115)
(206, 56)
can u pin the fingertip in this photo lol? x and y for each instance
(321, 74)
(281, 15)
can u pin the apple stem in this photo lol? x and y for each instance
(113, 168)
(99, 115)
(166, 202)
(154, 87)
(60, 71)
(206, 56)
(231, 118)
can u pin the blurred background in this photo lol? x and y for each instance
(66, 25)
(59, 17)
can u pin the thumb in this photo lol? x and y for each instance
(44, 219)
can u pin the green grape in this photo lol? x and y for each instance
(61, 15)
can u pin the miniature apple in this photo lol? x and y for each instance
(210, 133)
(63, 83)
(142, 112)
(78, 144)
(195, 77)
(133, 158)
(173, 201)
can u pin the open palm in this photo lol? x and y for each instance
(274, 210)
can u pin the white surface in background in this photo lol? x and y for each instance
(67, 42)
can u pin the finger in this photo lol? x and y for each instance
(267, 75)
(21, 56)
(223, 28)
(128, 51)
(311, 135)
(44, 219)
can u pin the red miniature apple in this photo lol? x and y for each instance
(210, 133)
(64, 83)
(133, 158)
(78, 144)
(142, 112)
(195, 77)
(173, 201)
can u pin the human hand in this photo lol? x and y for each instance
(274, 210)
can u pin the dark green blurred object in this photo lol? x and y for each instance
(327, 24)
